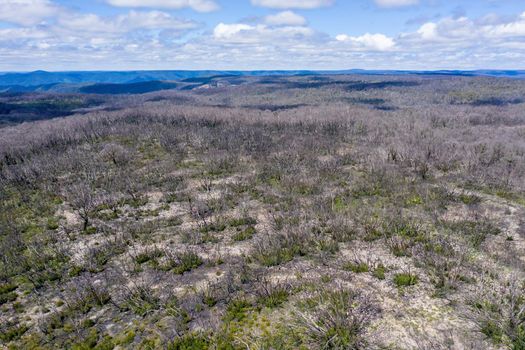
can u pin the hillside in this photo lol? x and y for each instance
(43, 80)
(274, 212)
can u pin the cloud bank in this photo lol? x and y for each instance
(41, 34)
(197, 5)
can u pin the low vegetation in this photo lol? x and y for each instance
(345, 212)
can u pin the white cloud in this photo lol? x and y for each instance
(82, 38)
(428, 31)
(286, 18)
(513, 28)
(396, 3)
(133, 20)
(291, 4)
(26, 12)
(373, 42)
(17, 34)
(456, 30)
(156, 40)
(227, 31)
(262, 34)
(197, 5)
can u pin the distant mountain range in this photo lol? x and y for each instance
(114, 77)
(122, 82)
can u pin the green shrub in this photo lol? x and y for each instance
(141, 300)
(304, 189)
(327, 245)
(211, 294)
(192, 341)
(209, 300)
(126, 338)
(94, 342)
(147, 255)
(492, 331)
(414, 200)
(469, 199)
(171, 198)
(518, 343)
(379, 272)
(404, 228)
(336, 320)
(242, 222)
(88, 323)
(186, 261)
(76, 270)
(356, 267)
(237, 310)
(273, 250)
(91, 230)
(339, 204)
(405, 279)
(135, 202)
(476, 231)
(367, 189)
(372, 235)
(213, 227)
(273, 295)
(10, 332)
(244, 234)
(109, 215)
(277, 256)
(98, 256)
(400, 246)
(52, 223)
(7, 293)
(18, 307)
(326, 278)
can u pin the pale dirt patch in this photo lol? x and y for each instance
(506, 214)
(72, 218)
(154, 197)
(373, 254)
(175, 210)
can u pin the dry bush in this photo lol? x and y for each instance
(410, 164)
(498, 309)
(338, 321)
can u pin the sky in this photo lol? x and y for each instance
(64, 35)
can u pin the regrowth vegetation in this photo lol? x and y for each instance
(277, 213)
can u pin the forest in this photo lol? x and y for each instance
(265, 212)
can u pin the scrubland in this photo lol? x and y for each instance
(313, 212)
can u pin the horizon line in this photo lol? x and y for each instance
(272, 70)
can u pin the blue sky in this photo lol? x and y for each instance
(261, 34)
